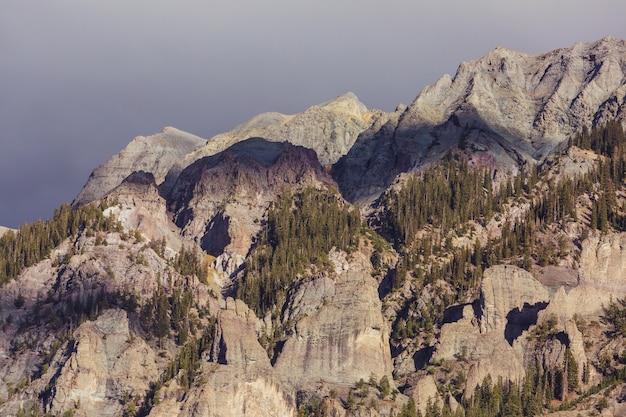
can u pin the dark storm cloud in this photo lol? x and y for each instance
(78, 80)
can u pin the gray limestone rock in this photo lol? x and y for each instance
(219, 200)
(502, 109)
(329, 129)
(106, 363)
(154, 154)
(340, 334)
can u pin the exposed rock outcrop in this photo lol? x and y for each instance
(239, 380)
(219, 200)
(340, 335)
(106, 364)
(113, 319)
(228, 392)
(502, 109)
(330, 129)
(489, 340)
(600, 278)
(504, 289)
(154, 154)
(139, 206)
(425, 392)
(237, 342)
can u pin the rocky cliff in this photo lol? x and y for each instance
(134, 310)
(503, 108)
(220, 200)
(339, 333)
(330, 129)
(154, 154)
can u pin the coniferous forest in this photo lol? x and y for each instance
(33, 242)
(300, 231)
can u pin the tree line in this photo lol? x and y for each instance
(444, 196)
(300, 231)
(33, 242)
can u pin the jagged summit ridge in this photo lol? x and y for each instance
(217, 198)
(329, 128)
(154, 154)
(168, 297)
(505, 108)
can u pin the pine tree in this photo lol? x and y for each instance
(512, 405)
(571, 371)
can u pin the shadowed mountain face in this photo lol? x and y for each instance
(154, 154)
(248, 169)
(219, 199)
(503, 109)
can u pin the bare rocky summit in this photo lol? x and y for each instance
(503, 109)
(329, 128)
(154, 154)
(220, 200)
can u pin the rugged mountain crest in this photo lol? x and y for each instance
(506, 276)
(329, 128)
(154, 154)
(503, 109)
(219, 200)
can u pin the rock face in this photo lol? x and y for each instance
(139, 206)
(154, 154)
(496, 338)
(507, 294)
(503, 289)
(219, 200)
(340, 335)
(237, 339)
(425, 391)
(600, 278)
(229, 392)
(106, 363)
(122, 318)
(330, 129)
(504, 108)
(239, 380)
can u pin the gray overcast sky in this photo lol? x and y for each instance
(79, 79)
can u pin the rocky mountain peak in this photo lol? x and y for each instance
(329, 128)
(506, 108)
(219, 199)
(154, 154)
(228, 277)
(347, 103)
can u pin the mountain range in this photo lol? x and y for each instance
(461, 255)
